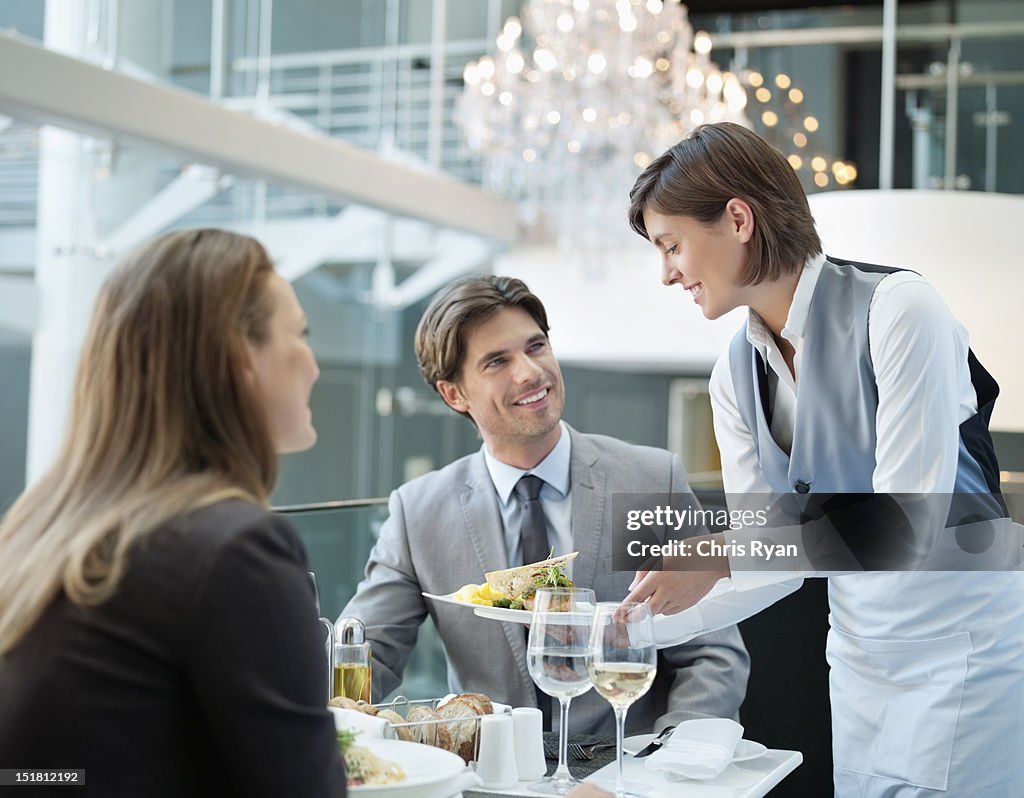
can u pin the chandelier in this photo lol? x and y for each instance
(778, 114)
(578, 97)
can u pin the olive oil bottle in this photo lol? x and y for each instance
(352, 667)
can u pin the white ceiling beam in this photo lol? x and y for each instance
(457, 255)
(413, 240)
(326, 242)
(194, 186)
(85, 97)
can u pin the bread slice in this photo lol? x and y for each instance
(462, 716)
(430, 733)
(481, 701)
(444, 737)
(427, 733)
(513, 581)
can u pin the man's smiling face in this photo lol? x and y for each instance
(511, 386)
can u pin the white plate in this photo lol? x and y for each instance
(669, 630)
(495, 613)
(424, 766)
(745, 749)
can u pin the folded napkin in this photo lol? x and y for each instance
(356, 721)
(498, 709)
(698, 749)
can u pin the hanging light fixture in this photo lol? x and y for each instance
(778, 113)
(578, 97)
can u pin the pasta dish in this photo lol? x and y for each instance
(363, 767)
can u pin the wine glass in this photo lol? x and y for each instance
(557, 652)
(622, 663)
(329, 642)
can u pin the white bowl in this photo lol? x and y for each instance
(425, 767)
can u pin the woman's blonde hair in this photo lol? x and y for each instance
(163, 420)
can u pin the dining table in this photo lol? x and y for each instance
(592, 759)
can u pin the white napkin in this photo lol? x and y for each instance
(698, 749)
(498, 708)
(356, 721)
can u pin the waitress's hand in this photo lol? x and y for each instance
(683, 582)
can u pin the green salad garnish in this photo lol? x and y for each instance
(345, 739)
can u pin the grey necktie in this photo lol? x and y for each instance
(533, 536)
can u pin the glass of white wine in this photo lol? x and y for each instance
(622, 663)
(557, 651)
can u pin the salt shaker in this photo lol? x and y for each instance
(496, 769)
(528, 730)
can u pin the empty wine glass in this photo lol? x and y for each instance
(557, 652)
(622, 663)
(329, 641)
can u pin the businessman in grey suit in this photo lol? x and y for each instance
(483, 345)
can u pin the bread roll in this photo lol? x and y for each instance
(366, 709)
(407, 733)
(343, 702)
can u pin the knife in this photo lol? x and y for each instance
(656, 743)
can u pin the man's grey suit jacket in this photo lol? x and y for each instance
(445, 530)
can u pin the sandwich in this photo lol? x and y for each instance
(519, 585)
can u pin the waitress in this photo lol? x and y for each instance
(848, 378)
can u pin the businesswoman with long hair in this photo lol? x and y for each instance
(157, 623)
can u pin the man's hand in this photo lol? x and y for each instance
(681, 583)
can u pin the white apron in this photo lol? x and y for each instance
(927, 705)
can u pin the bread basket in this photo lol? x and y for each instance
(453, 726)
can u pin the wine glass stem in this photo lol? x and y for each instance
(562, 771)
(620, 727)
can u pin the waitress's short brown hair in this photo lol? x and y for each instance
(717, 162)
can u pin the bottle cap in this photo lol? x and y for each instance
(349, 631)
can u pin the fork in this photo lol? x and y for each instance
(588, 752)
(577, 751)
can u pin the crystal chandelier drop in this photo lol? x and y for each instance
(578, 97)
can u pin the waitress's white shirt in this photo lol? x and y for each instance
(911, 350)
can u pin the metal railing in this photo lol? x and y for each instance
(375, 97)
(329, 506)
